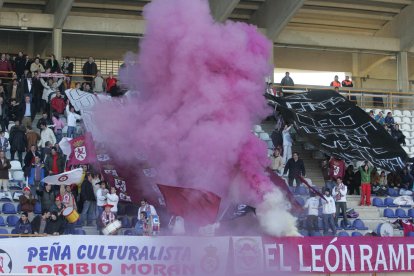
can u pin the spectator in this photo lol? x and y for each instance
(110, 82)
(388, 130)
(44, 119)
(371, 114)
(380, 188)
(287, 80)
(88, 199)
(67, 69)
(58, 206)
(312, 204)
(15, 91)
(379, 118)
(18, 141)
(27, 63)
(47, 197)
(57, 103)
(14, 110)
(37, 91)
(101, 194)
(23, 225)
(46, 135)
(69, 201)
(347, 82)
(365, 171)
(99, 83)
(287, 143)
(37, 173)
(53, 64)
(394, 180)
(55, 225)
(339, 193)
(20, 65)
(32, 137)
(328, 213)
(5, 66)
(72, 117)
(27, 84)
(4, 173)
(27, 202)
(36, 66)
(336, 169)
(147, 208)
(389, 120)
(28, 112)
(39, 223)
(406, 182)
(107, 217)
(58, 126)
(350, 180)
(50, 87)
(113, 199)
(4, 142)
(335, 82)
(55, 164)
(325, 173)
(277, 163)
(142, 226)
(296, 168)
(90, 69)
(4, 120)
(398, 135)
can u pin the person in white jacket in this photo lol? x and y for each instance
(328, 212)
(71, 119)
(146, 207)
(46, 135)
(112, 198)
(51, 86)
(101, 195)
(339, 193)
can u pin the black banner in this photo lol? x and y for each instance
(338, 127)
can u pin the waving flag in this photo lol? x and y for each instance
(82, 150)
(67, 178)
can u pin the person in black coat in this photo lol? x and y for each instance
(18, 141)
(20, 65)
(88, 200)
(351, 180)
(397, 134)
(53, 64)
(55, 226)
(39, 223)
(89, 68)
(296, 168)
(29, 159)
(36, 91)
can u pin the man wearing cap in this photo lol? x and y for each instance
(107, 216)
(58, 206)
(27, 202)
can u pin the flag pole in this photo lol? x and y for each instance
(224, 212)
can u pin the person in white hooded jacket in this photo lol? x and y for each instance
(328, 212)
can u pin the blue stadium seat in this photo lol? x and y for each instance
(302, 190)
(304, 232)
(400, 213)
(346, 227)
(19, 208)
(393, 192)
(410, 234)
(411, 213)
(359, 225)
(129, 232)
(38, 208)
(5, 199)
(343, 234)
(8, 208)
(14, 231)
(356, 234)
(389, 213)
(79, 231)
(389, 202)
(315, 234)
(378, 202)
(2, 223)
(125, 222)
(3, 231)
(12, 220)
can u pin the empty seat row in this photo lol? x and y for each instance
(9, 208)
(399, 213)
(388, 202)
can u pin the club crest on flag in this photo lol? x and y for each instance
(80, 150)
(63, 178)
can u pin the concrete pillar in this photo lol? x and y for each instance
(30, 45)
(356, 78)
(271, 78)
(402, 72)
(57, 43)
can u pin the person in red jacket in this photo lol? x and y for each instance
(335, 82)
(110, 82)
(58, 103)
(5, 66)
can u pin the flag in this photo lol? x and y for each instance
(195, 206)
(312, 188)
(64, 145)
(67, 178)
(237, 210)
(82, 150)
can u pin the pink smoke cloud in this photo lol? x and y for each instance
(200, 86)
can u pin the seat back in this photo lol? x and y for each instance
(12, 220)
(8, 208)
